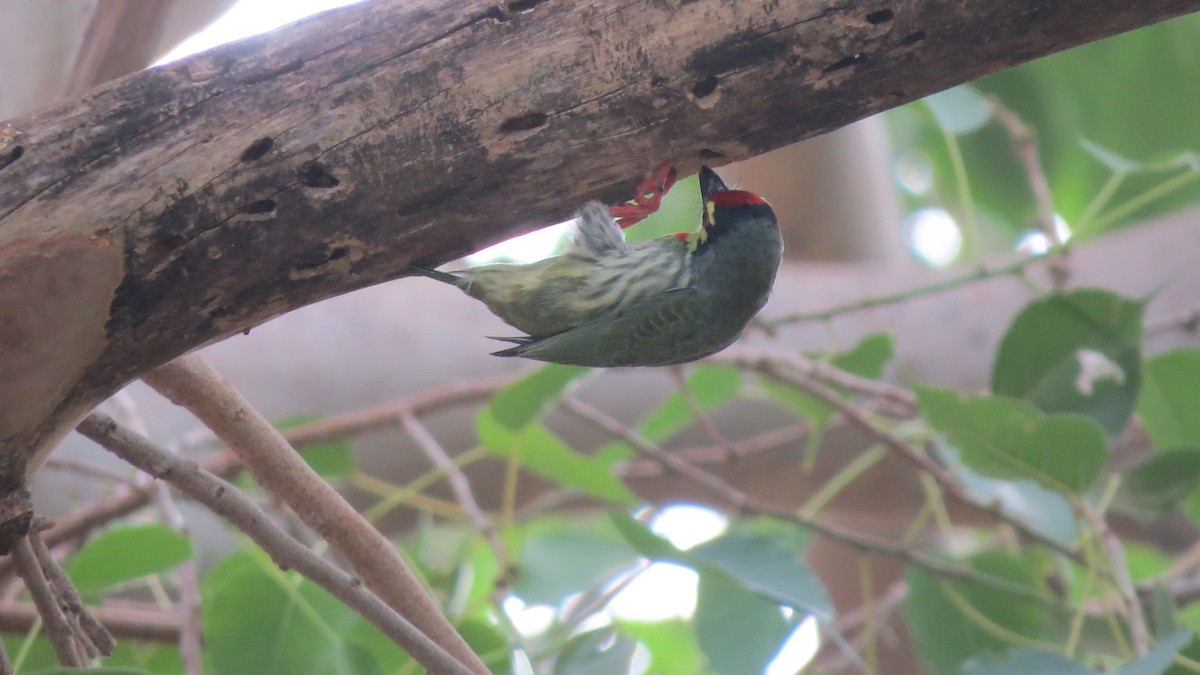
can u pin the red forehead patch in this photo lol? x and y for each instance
(730, 198)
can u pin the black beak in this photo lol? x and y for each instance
(710, 183)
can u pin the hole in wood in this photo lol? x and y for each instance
(163, 246)
(524, 122)
(847, 62)
(260, 206)
(257, 149)
(881, 16)
(314, 175)
(318, 258)
(709, 153)
(519, 6)
(912, 39)
(704, 87)
(12, 156)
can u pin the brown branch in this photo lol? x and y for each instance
(902, 401)
(148, 624)
(227, 464)
(59, 628)
(91, 634)
(1114, 550)
(227, 501)
(391, 415)
(186, 203)
(459, 484)
(699, 415)
(191, 637)
(193, 384)
(1024, 140)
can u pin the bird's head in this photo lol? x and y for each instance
(726, 209)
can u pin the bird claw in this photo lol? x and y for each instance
(647, 198)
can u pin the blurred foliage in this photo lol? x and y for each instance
(1115, 128)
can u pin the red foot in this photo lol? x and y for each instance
(648, 198)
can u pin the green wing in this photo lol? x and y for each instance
(672, 328)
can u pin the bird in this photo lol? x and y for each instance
(607, 303)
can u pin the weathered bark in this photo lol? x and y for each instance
(180, 205)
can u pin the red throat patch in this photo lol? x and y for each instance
(731, 198)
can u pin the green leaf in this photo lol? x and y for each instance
(489, 643)
(124, 554)
(1170, 399)
(960, 110)
(1075, 351)
(739, 631)
(945, 636)
(1189, 651)
(1137, 80)
(804, 406)
(672, 644)
(762, 555)
(711, 386)
(521, 402)
(331, 459)
(1026, 662)
(260, 620)
(1157, 660)
(646, 542)
(540, 451)
(767, 563)
(1005, 438)
(598, 652)
(1046, 510)
(160, 659)
(869, 357)
(1159, 483)
(560, 557)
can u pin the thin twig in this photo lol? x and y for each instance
(193, 384)
(1187, 321)
(92, 634)
(980, 274)
(919, 459)
(227, 501)
(699, 414)
(5, 665)
(745, 503)
(901, 402)
(62, 636)
(87, 470)
(191, 637)
(459, 484)
(136, 623)
(712, 454)
(1024, 140)
(391, 415)
(227, 464)
(1138, 629)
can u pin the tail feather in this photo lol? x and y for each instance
(522, 343)
(514, 340)
(444, 277)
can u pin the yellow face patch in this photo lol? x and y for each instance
(709, 213)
